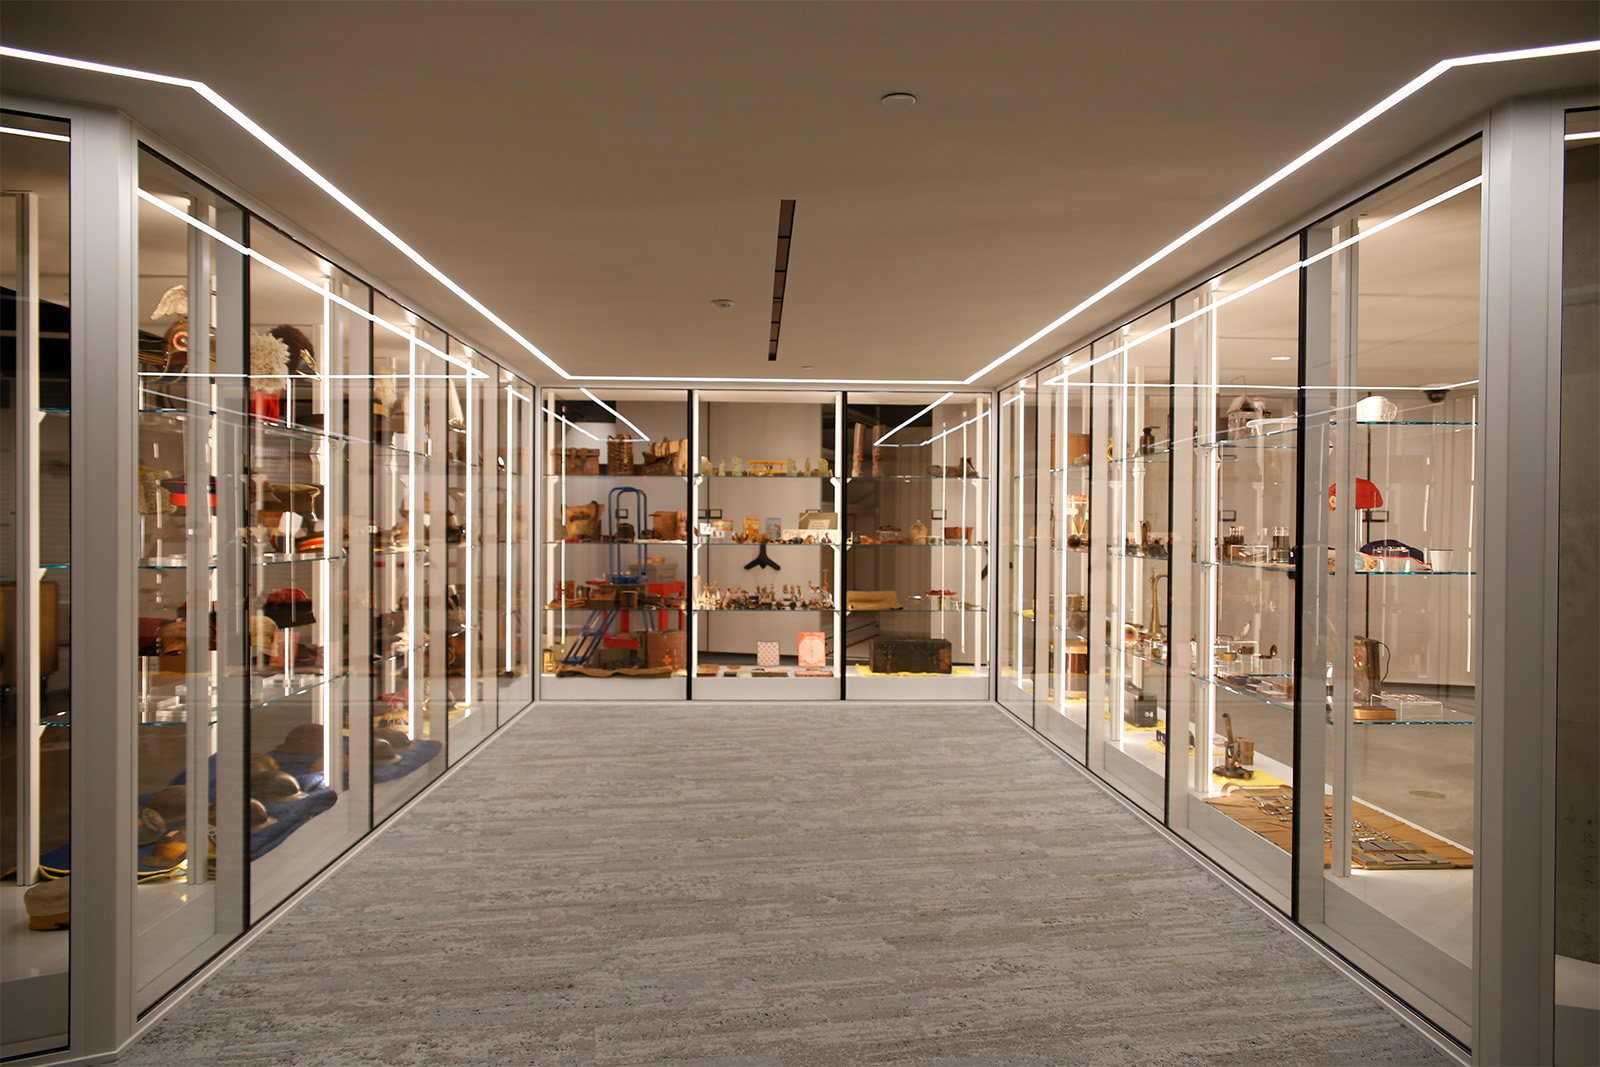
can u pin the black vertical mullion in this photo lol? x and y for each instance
(1300, 572)
(1172, 477)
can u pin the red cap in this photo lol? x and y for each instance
(286, 596)
(1367, 495)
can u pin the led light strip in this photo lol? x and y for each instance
(912, 419)
(40, 134)
(569, 422)
(1471, 183)
(642, 435)
(244, 121)
(218, 235)
(1591, 135)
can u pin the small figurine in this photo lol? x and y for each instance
(738, 467)
(706, 469)
(823, 470)
(919, 532)
(789, 468)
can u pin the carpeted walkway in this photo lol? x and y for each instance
(774, 885)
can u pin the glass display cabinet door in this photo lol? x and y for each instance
(193, 679)
(767, 557)
(1234, 582)
(1015, 619)
(1397, 371)
(615, 507)
(1066, 407)
(514, 586)
(917, 553)
(471, 564)
(1134, 403)
(35, 621)
(306, 349)
(409, 417)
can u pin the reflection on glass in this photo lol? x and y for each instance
(916, 567)
(35, 521)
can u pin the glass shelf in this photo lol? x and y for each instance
(614, 477)
(1142, 559)
(1270, 439)
(1142, 658)
(172, 563)
(770, 477)
(1160, 455)
(1280, 568)
(757, 611)
(1359, 424)
(942, 544)
(625, 544)
(913, 610)
(1281, 703)
(271, 558)
(273, 681)
(973, 478)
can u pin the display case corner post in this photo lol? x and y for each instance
(1518, 450)
(103, 211)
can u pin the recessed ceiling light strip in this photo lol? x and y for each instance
(277, 148)
(1591, 135)
(219, 236)
(1349, 128)
(1471, 183)
(780, 274)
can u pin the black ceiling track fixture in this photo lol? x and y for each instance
(780, 274)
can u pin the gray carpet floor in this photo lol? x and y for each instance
(774, 885)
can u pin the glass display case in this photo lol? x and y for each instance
(1016, 592)
(195, 445)
(1131, 532)
(768, 544)
(512, 586)
(1066, 413)
(1227, 620)
(917, 546)
(305, 351)
(1235, 591)
(615, 580)
(1392, 380)
(35, 614)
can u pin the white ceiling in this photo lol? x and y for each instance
(597, 173)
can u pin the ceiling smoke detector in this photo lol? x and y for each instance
(899, 100)
(722, 302)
